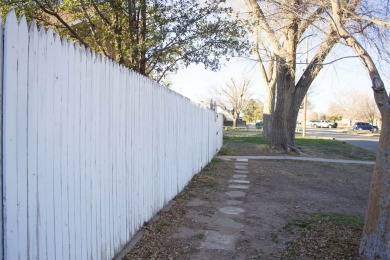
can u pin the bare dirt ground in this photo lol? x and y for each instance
(258, 210)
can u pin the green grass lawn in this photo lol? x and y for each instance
(255, 144)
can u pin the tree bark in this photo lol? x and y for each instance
(376, 233)
(282, 120)
(235, 121)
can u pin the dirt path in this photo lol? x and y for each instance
(239, 209)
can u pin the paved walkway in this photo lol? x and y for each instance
(282, 157)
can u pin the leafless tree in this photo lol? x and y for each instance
(233, 98)
(356, 105)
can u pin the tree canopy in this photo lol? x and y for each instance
(253, 110)
(152, 37)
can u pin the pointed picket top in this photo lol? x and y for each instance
(71, 49)
(71, 44)
(50, 36)
(10, 22)
(82, 50)
(64, 41)
(104, 60)
(99, 58)
(57, 41)
(88, 53)
(41, 30)
(11, 15)
(93, 56)
(77, 52)
(57, 37)
(23, 22)
(33, 27)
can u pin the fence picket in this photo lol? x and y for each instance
(70, 150)
(1, 133)
(64, 135)
(57, 177)
(10, 177)
(33, 141)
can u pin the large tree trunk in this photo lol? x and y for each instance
(376, 235)
(280, 136)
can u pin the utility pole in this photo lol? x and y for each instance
(304, 116)
(305, 99)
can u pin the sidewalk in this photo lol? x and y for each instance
(295, 158)
(238, 206)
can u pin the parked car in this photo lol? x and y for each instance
(323, 123)
(365, 126)
(259, 125)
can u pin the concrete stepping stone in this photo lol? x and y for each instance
(232, 210)
(242, 160)
(219, 241)
(240, 167)
(240, 181)
(240, 176)
(235, 193)
(237, 186)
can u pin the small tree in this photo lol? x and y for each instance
(233, 98)
(253, 111)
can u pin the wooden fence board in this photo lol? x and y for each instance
(22, 187)
(57, 138)
(1, 133)
(33, 142)
(10, 156)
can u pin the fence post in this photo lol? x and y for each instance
(1, 138)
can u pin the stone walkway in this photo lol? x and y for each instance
(237, 186)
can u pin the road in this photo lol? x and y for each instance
(368, 140)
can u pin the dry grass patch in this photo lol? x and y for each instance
(324, 236)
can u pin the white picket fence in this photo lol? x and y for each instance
(90, 149)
